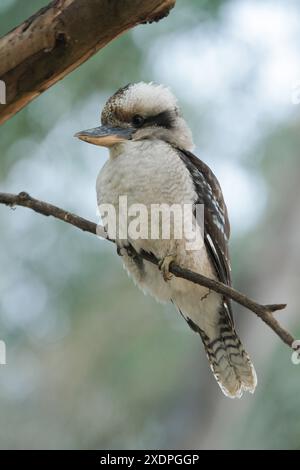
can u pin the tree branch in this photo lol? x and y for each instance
(60, 37)
(265, 312)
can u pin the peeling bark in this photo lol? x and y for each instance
(60, 37)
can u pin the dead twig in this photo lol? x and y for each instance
(264, 312)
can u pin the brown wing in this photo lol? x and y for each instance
(216, 223)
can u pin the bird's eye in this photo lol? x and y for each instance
(137, 120)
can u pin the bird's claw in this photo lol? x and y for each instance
(120, 250)
(126, 250)
(164, 266)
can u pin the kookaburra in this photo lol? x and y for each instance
(150, 162)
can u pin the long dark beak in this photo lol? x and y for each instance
(105, 136)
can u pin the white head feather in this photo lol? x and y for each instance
(147, 100)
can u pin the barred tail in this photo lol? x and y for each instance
(229, 361)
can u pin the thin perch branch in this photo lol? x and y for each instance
(265, 312)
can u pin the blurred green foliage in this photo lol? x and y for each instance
(92, 362)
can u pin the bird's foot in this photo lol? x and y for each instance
(164, 266)
(126, 250)
(121, 251)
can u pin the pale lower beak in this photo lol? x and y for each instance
(105, 136)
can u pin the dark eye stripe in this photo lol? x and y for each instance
(163, 119)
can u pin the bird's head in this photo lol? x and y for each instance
(137, 112)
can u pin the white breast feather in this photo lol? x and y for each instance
(151, 172)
